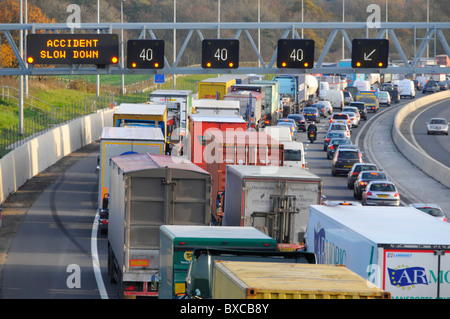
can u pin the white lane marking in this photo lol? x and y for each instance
(95, 260)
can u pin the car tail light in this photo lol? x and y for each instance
(355, 173)
(327, 139)
(396, 195)
(445, 219)
(369, 193)
(362, 183)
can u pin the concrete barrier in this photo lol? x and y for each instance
(45, 150)
(427, 164)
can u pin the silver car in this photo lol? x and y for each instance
(437, 126)
(430, 209)
(381, 193)
(353, 118)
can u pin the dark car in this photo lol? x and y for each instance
(418, 85)
(443, 85)
(431, 87)
(392, 90)
(299, 120)
(344, 159)
(334, 144)
(311, 114)
(331, 135)
(363, 179)
(322, 109)
(356, 169)
(362, 109)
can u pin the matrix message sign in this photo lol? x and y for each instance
(370, 53)
(295, 54)
(145, 54)
(220, 54)
(99, 49)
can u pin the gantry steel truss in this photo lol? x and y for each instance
(433, 32)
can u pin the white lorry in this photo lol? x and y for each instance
(209, 107)
(398, 249)
(273, 199)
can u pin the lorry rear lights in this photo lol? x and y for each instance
(139, 263)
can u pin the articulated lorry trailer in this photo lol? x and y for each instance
(399, 249)
(117, 141)
(273, 199)
(147, 191)
(178, 242)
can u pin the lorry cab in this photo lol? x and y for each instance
(294, 154)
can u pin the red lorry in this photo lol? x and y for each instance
(199, 124)
(237, 147)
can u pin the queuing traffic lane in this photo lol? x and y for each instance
(335, 188)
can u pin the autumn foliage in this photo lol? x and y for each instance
(10, 13)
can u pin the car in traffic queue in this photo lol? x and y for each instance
(334, 144)
(311, 114)
(353, 109)
(322, 109)
(357, 168)
(291, 124)
(342, 118)
(361, 106)
(360, 184)
(340, 127)
(381, 193)
(330, 135)
(431, 209)
(328, 106)
(299, 120)
(443, 85)
(344, 159)
(384, 98)
(430, 87)
(437, 126)
(353, 118)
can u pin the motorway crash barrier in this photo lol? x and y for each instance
(427, 164)
(39, 153)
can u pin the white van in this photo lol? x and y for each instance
(406, 88)
(294, 154)
(336, 98)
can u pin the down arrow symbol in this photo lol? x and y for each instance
(367, 56)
